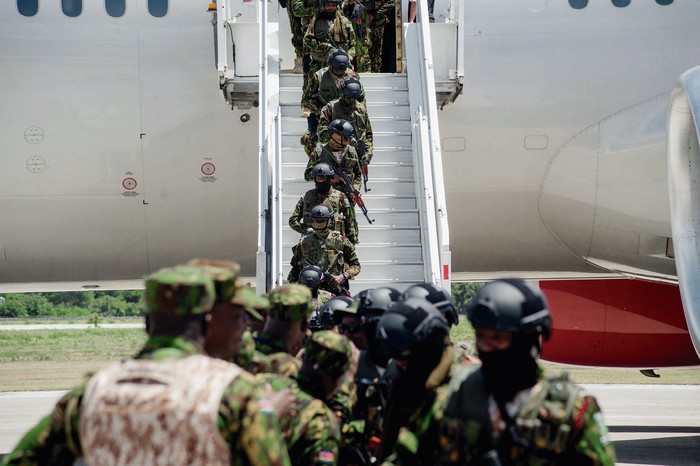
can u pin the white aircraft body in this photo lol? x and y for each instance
(119, 156)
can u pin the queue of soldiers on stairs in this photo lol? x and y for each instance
(331, 50)
(227, 377)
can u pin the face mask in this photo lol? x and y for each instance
(321, 228)
(508, 371)
(349, 102)
(324, 187)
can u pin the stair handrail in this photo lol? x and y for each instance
(269, 253)
(437, 255)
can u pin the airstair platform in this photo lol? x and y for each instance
(390, 249)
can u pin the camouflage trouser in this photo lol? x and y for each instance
(362, 51)
(297, 32)
(375, 50)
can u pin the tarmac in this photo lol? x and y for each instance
(649, 424)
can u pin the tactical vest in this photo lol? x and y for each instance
(143, 412)
(319, 29)
(335, 201)
(357, 116)
(543, 425)
(326, 254)
(347, 163)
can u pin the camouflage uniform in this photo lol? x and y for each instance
(312, 437)
(561, 423)
(323, 87)
(288, 303)
(344, 219)
(379, 12)
(256, 307)
(86, 424)
(350, 163)
(356, 114)
(334, 254)
(299, 13)
(358, 15)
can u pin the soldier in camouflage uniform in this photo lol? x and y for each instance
(228, 322)
(344, 219)
(327, 30)
(190, 409)
(362, 435)
(358, 15)
(347, 107)
(378, 12)
(505, 411)
(326, 248)
(312, 436)
(338, 151)
(256, 309)
(285, 329)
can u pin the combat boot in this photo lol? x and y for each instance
(298, 68)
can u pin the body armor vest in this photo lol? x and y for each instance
(334, 200)
(320, 28)
(326, 254)
(542, 428)
(143, 412)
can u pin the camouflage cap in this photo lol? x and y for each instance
(290, 303)
(329, 351)
(224, 274)
(256, 306)
(179, 290)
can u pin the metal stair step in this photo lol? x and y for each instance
(377, 170)
(296, 154)
(384, 80)
(385, 141)
(373, 202)
(404, 272)
(399, 112)
(379, 186)
(292, 96)
(369, 234)
(374, 255)
(379, 125)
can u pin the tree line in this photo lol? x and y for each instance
(122, 303)
(125, 303)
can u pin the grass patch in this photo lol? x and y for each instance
(59, 359)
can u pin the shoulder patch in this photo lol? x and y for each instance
(326, 456)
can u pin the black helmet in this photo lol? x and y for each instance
(328, 310)
(436, 295)
(511, 305)
(339, 60)
(311, 276)
(342, 127)
(375, 300)
(408, 323)
(322, 169)
(321, 211)
(352, 88)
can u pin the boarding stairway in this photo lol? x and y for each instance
(390, 249)
(409, 240)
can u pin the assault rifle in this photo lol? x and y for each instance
(347, 188)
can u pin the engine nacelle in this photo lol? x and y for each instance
(617, 323)
(683, 161)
